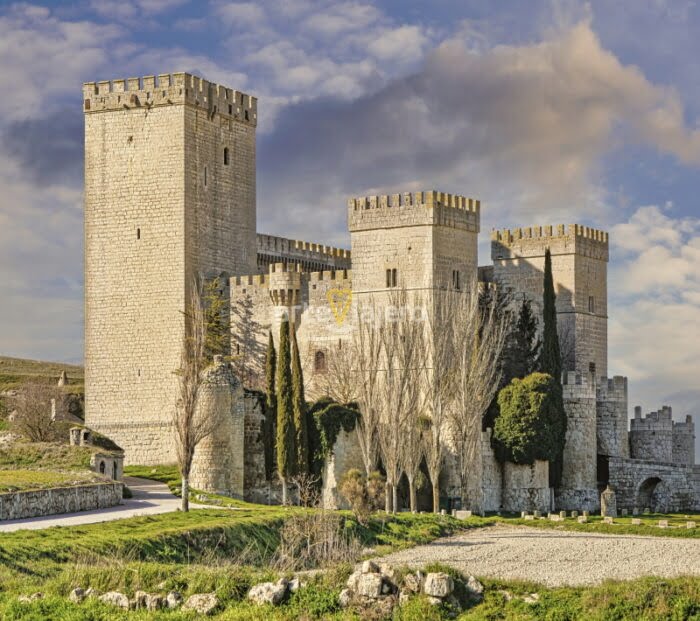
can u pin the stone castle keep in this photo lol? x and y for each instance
(170, 195)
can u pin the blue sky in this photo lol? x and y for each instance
(547, 111)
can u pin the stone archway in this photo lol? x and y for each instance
(652, 494)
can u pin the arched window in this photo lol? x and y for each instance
(320, 362)
(225, 156)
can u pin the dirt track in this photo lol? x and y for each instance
(557, 557)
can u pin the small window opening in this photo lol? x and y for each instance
(230, 109)
(138, 233)
(225, 156)
(319, 362)
(455, 279)
(205, 175)
(388, 279)
(102, 467)
(394, 278)
(246, 116)
(591, 368)
(591, 304)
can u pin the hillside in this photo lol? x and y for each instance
(16, 371)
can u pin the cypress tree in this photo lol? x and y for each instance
(270, 407)
(550, 355)
(300, 418)
(218, 334)
(286, 449)
(550, 362)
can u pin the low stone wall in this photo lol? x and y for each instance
(346, 455)
(36, 503)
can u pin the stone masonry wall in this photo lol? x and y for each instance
(659, 487)
(651, 436)
(345, 456)
(683, 451)
(611, 416)
(218, 464)
(526, 488)
(579, 267)
(578, 489)
(161, 205)
(21, 505)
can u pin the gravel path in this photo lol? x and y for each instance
(556, 558)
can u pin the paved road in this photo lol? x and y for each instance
(150, 498)
(557, 558)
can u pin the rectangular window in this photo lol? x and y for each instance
(392, 278)
(591, 304)
(388, 279)
(455, 279)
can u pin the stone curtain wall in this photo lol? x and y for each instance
(310, 256)
(345, 456)
(579, 266)
(659, 487)
(160, 206)
(526, 488)
(684, 442)
(21, 505)
(579, 485)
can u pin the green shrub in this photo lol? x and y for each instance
(527, 427)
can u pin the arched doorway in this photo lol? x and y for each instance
(651, 495)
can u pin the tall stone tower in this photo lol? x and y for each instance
(169, 196)
(579, 267)
(421, 241)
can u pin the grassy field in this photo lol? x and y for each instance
(23, 480)
(16, 371)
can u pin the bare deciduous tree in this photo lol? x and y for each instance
(364, 360)
(438, 386)
(400, 339)
(479, 332)
(33, 417)
(191, 425)
(340, 378)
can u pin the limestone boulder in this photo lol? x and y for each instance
(475, 590)
(173, 599)
(370, 586)
(139, 600)
(77, 595)
(202, 603)
(155, 602)
(438, 584)
(115, 598)
(268, 593)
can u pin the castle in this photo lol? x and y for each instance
(170, 195)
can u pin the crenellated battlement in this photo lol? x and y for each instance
(578, 386)
(560, 239)
(429, 198)
(414, 209)
(331, 276)
(251, 280)
(275, 244)
(612, 389)
(659, 420)
(170, 89)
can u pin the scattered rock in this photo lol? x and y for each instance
(434, 601)
(268, 593)
(369, 567)
(475, 589)
(345, 598)
(139, 600)
(533, 598)
(77, 595)
(405, 596)
(438, 585)
(90, 592)
(414, 581)
(294, 585)
(173, 599)
(370, 585)
(30, 598)
(353, 580)
(155, 602)
(202, 603)
(507, 595)
(115, 598)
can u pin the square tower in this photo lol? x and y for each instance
(421, 241)
(579, 269)
(169, 196)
